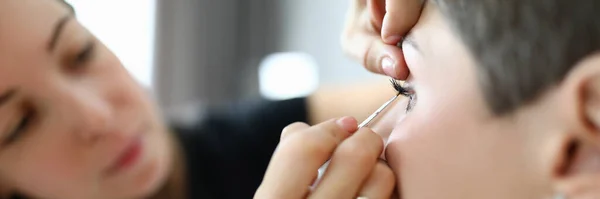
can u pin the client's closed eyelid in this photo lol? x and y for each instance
(409, 39)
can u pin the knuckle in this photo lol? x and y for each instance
(365, 144)
(354, 150)
(313, 145)
(384, 173)
(375, 141)
(350, 47)
(331, 132)
(373, 59)
(293, 127)
(295, 124)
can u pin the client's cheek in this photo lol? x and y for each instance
(413, 129)
(385, 122)
(407, 142)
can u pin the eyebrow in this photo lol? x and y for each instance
(58, 29)
(5, 97)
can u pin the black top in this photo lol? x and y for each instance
(228, 152)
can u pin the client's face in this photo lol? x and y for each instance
(73, 123)
(449, 145)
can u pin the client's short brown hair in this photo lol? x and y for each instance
(524, 47)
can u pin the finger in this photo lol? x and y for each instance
(350, 166)
(380, 184)
(294, 165)
(293, 128)
(376, 10)
(386, 59)
(580, 185)
(400, 17)
(591, 195)
(359, 34)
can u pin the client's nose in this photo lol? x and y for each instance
(91, 115)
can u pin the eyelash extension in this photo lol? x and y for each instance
(405, 91)
(401, 89)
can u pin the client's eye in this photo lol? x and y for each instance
(407, 90)
(21, 128)
(412, 100)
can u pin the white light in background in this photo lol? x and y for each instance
(126, 27)
(288, 75)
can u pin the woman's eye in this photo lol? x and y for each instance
(19, 129)
(85, 55)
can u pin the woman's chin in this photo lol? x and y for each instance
(150, 175)
(151, 181)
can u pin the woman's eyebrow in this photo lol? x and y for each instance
(5, 97)
(58, 29)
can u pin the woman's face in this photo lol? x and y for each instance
(449, 145)
(73, 123)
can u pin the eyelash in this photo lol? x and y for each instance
(407, 91)
(84, 56)
(399, 44)
(21, 127)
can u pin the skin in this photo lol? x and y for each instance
(354, 158)
(450, 145)
(373, 29)
(450, 148)
(85, 111)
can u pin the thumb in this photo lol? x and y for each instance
(376, 10)
(386, 59)
(400, 17)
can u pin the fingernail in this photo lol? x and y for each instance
(387, 64)
(347, 123)
(392, 39)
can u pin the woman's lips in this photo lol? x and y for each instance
(128, 157)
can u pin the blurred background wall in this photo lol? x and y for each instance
(195, 53)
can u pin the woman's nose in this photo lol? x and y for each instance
(91, 116)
